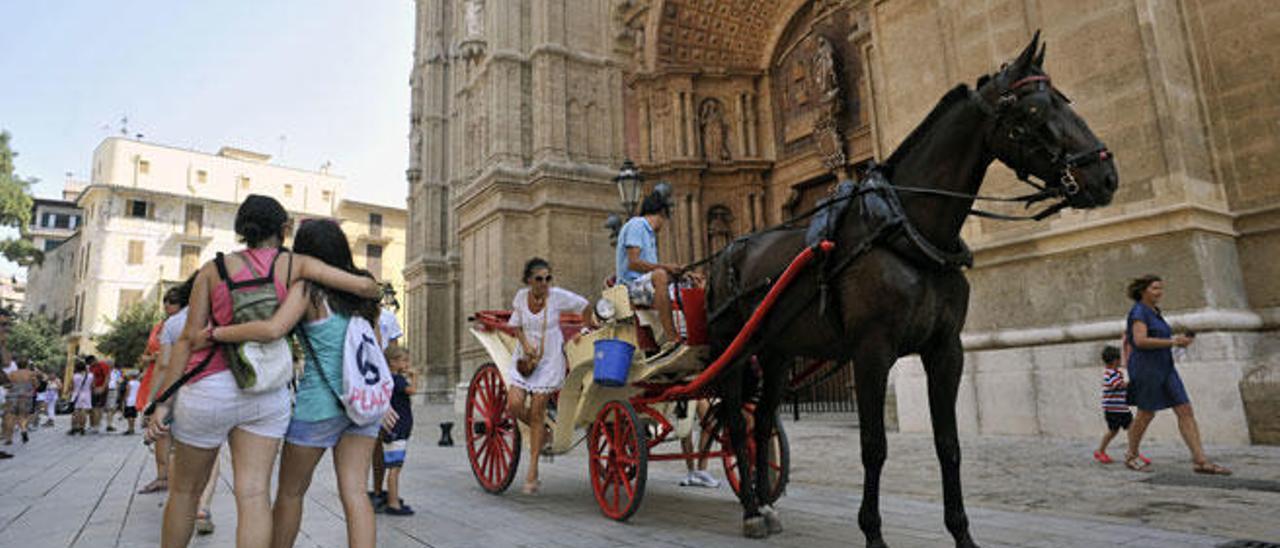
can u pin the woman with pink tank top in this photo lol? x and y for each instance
(210, 408)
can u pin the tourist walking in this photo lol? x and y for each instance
(1154, 383)
(53, 387)
(159, 348)
(1115, 403)
(101, 371)
(81, 397)
(319, 421)
(19, 398)
(210, 408)
(131, 401)
(538, 368)
(115, 383)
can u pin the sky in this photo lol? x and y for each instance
(306, 81)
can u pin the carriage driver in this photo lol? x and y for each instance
(648, 281)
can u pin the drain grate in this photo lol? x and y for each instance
(1249, 544)
(1214, 482)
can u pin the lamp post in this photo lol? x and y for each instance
(630, 184)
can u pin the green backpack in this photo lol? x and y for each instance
(257, 367)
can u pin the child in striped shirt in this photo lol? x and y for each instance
(1115, 405)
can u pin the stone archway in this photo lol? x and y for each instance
(778, 89)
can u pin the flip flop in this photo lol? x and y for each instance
(1211, 469)
(155, 486)
(1136, 464)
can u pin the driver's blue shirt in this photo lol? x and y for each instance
(636, 233)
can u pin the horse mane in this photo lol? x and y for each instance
(958, 93)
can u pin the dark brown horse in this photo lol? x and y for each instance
(893, 285)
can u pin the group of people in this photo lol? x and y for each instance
(199, 403)
(1153, 383)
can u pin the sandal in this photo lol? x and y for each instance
(1136, 464)
(1211, 469)
(531, 487)
(204, 522)
(155, 486)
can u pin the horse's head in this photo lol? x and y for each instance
(1036, 132)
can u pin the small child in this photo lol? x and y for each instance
(396, 439)
(131, 401)
(1115, 405)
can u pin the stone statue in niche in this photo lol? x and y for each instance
(715, 131)
(825, 80)
(474, 17)
(826, 83)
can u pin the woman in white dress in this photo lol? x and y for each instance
(536, 317)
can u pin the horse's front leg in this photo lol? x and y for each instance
(731, 418)
(871, 378)
(766, 415)
(944, 363)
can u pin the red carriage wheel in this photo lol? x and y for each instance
(619, 460)
(779, 460)
(493, 437)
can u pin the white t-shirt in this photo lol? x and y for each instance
(113, 381)
(173, 327)
(131, 397)
(389, 326)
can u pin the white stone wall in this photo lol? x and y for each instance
(1055, 390)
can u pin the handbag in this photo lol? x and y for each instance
(525, 364)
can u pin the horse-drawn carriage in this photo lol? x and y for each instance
(892, 286)
(627, 411)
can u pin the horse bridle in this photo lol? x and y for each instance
(1027, 133)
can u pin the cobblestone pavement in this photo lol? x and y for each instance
(61, 491)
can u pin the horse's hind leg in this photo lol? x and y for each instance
(943, 364)
(871, 377)
(731, 398)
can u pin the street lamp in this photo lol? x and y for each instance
(629, 183)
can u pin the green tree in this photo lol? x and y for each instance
(126, 336)
(37, 339)
(15, 208)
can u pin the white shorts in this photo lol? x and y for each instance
(207, 410)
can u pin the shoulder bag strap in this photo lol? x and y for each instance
(301, 332)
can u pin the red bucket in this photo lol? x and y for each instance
(694, 306)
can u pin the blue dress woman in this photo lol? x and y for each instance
(1154, 383)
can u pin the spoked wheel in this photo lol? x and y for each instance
(493, 438)
(619, 460)
(779, 460)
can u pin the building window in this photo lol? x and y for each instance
(138, 209)
(135, 252)
(288, 191)
(195, 220)
(50, 244)
(128, 298)
(144, 167)
(373, 260)
(326, 195)
(190, 260)
(244, 182)
(75, 221)
(61, 221)
(202, 176)
(375, 224)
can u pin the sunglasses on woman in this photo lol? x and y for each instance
(541, 279)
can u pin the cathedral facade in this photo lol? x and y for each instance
(752, 109)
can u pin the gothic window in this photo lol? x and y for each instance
(719, 227)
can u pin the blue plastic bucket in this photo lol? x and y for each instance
(612, 361)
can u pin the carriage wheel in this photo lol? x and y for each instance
(779, 461)
(493, 438)
(619, 460)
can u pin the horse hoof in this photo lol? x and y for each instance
(966, 542)
(771, 519)
(876, 543)
(755, 527)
